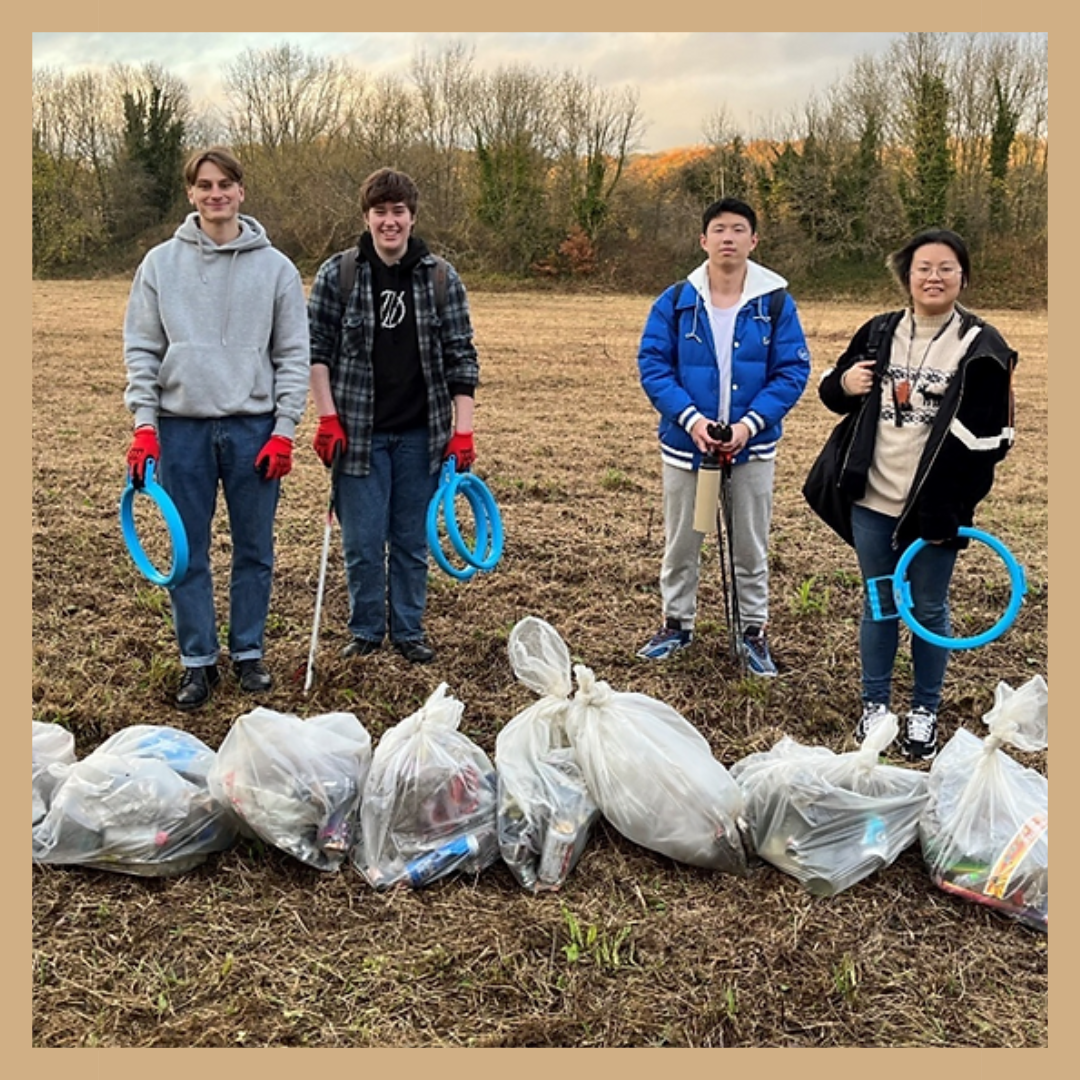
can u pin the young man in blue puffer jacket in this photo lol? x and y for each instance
(711, 355)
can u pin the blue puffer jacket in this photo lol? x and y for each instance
(679, 372)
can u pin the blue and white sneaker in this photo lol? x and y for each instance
(667, 641)
(756, 651)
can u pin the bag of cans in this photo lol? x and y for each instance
(545, 810)
(830, 820)
(52, 751)
(985, 835)
(295, 783)
(428, 809)
(138, 804)
(654, 777)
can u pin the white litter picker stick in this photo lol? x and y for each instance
(309, 675)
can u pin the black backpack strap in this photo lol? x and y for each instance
(347, 274)
(776, 307)
(881, 326)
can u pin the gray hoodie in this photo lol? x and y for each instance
(213, 331)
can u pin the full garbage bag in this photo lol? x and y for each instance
(295, 783)
(52, 751)
(654, 776)
(985, 834)
(545, 812)
(428, 808)
(138, 804)
(830, 820)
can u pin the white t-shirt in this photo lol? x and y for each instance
(722, 321)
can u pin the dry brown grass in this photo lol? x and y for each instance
(256, 949)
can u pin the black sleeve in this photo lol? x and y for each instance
(979, 438)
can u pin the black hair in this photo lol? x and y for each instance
(728, 205)
(899, 262)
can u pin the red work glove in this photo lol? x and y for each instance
(275, 458)
(461, 447)
(144, 445)
(329, 438)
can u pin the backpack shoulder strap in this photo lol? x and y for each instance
(881, 326)
(441, 288)
(347, 273)
(776, 306)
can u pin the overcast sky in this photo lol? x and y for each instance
(681, 78)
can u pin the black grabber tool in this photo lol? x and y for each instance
(725, 547)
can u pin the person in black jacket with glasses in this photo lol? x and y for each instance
(935, 417)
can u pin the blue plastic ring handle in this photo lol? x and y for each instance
(173, 521)
(902, 594)
(488, 546)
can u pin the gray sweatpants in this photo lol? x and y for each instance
(751, 500)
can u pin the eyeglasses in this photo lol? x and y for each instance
(943, 272)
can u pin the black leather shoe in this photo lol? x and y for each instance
(416, 651)
(360, 647)
(253, 676)
(196, 685)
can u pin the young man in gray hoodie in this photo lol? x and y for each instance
(217, 355)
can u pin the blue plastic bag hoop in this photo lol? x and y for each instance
(173, 521)
(901, 589)
(488, 547)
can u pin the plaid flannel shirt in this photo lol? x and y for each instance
(341, 338)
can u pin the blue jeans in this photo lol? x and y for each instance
(929, 575)
(195, 456)
(384, 537)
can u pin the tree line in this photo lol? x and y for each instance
(530, 174)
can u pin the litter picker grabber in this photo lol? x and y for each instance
(309, 674)
(725, 547)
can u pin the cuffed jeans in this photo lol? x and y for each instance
(929, 575)
(384, 537)
(751, 510)
(197, 455)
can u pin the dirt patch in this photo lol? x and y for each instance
(256, 949)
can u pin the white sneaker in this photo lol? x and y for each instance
(919, 741)
(872, 715)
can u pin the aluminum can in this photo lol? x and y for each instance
(557, 852)
(437, 862)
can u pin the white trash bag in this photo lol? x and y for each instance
(428, 808)
(545, 810)
(138, 804)
(828, 819)
(985, 834)
(295, 783)
(654, 777)
(52, 751)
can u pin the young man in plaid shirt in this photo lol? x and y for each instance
(393, 374)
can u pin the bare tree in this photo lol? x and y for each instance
(596, 129)
(445, 88)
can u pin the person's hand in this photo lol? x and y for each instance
(732, 446)
(461, 448)
(144, 445)
(329, 438)
(275, 458)
(858, 379)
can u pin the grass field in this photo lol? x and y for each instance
(255, 949)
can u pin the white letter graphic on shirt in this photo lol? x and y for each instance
(392, 312)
